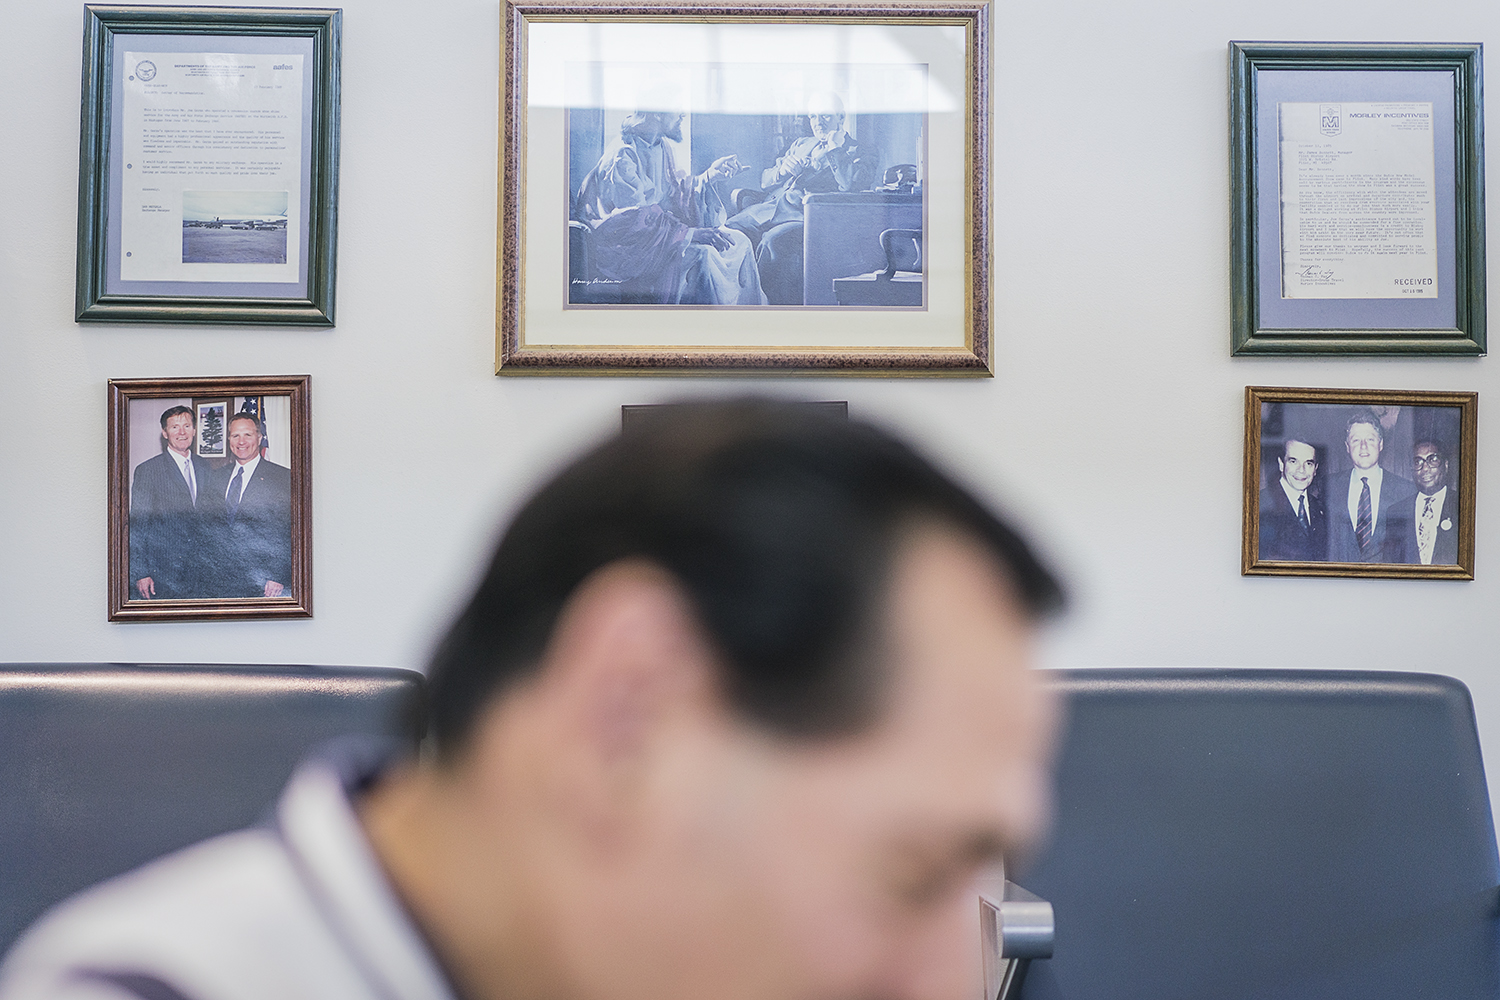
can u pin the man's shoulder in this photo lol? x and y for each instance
(185, 921)
(1396, 490)
(152, 465)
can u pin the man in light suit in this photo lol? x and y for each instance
(1370, 510)
(254, 523)
(166, 508)
(1293, 525)
(1434, 539)
(827, 160)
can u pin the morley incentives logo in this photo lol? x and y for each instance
(1330, 118)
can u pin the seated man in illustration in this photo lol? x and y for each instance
(827, 160)
(657, 231)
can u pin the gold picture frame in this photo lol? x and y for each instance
(864, 143)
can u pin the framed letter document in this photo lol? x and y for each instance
(740, 187)
(208, 165)
(1358, 199)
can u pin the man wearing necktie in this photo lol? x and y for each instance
(254, 556)
(1435, 511)
(1374, 506)
(1293, 525)
(166, 506)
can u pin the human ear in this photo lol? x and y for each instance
(629, 677)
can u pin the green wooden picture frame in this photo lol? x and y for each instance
(1263, 322)
(246, 284)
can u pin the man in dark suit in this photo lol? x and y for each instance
(166, 508)
(1293, 522)
(1434, 539)
(1370, 510)
(254, 522)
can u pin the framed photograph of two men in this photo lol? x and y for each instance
(210, 513)
(1359, 482)
(716, 187)
(208, 165)
(1357, 222)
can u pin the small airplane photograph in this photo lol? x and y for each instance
(234, 227)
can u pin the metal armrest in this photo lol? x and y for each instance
(1016, 927)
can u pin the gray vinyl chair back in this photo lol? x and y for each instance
(1268, 834)
(106, 766)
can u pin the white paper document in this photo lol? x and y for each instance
(1358, 201)
(212, 178)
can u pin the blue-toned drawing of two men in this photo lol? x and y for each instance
(656, 229)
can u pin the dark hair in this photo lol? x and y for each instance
(1296, 440)
(254, 418)
(777, 521)
(176, 410)
(1365, 417)
(1438, 447)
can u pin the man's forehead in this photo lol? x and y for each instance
(956, 627)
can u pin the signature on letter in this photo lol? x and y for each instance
(1315, 273)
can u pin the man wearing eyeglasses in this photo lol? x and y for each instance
(1435, 531)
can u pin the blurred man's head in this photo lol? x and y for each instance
(1364, 439)
(741, 708)
(1298, 463)
(1429, 466)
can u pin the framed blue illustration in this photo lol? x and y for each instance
(741, 188)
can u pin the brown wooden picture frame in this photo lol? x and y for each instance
(543, 327)
(208, 558)
(1326, 534)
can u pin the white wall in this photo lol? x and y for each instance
(1112, 426)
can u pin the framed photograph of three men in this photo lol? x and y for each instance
(740, 187)
(1357, 202)
(1359, 482)
(208, 165)
(210, 485)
